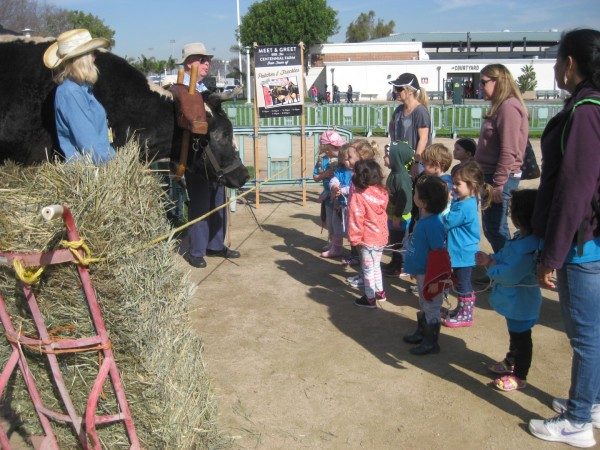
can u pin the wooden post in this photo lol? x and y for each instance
(255, 140)
(303, 128)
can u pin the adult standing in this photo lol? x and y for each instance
(81, 122)
(567, 217)
(207, 236)
(349, 94)
(501, 147)
(411, 123)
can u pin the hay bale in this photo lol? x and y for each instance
(144, 297)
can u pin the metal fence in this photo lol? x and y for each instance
(367, 119)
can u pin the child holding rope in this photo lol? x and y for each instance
(431, 197)
(515, 293)
(330, 143)
(358, 150)
(367, 227)
(340, 190)
(462, 226)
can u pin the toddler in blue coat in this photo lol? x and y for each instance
(515, 291)
(462, 225)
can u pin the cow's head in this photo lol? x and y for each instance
(216, 155)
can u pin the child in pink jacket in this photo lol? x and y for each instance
(367, 227)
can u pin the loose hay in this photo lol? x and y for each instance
(144, 298)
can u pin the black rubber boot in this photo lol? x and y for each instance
(431, 333)
(417, 336)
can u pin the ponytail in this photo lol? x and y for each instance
(422, 97)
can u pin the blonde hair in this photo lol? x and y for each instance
(438, 154)
(420, 94)
(506, 86)
(82, 70)
(471, 174)
(364, 148)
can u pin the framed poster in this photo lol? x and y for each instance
(279, 80)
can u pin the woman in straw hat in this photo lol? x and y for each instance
(81, 122)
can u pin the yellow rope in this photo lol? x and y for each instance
(73, 246)
(209, 213)
(27, 275)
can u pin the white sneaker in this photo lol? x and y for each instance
(560, 406)
(356, 281)
(560, 429)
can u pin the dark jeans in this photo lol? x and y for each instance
(464, 287)
(210, 232)
(495, 218)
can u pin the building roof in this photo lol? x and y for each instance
(542, 37)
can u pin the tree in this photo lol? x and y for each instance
(527, 81)
(93, 24)
(364, 28)
(48, 20)
(272, 22)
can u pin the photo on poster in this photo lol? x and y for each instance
(279, 81)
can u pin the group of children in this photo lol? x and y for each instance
(435, 212)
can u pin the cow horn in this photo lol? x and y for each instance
(238, 90)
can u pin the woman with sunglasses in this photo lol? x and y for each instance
(411, 123)
(501, 146)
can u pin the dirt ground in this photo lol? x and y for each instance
(296, 365)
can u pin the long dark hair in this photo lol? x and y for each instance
(367, 173)
(584, 47)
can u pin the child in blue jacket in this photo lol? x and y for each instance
(462, 226)
(515, 293)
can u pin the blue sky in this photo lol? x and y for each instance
(148, 26)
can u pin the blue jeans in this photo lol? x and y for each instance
(495, 218)
(579, 294)
(463, 287)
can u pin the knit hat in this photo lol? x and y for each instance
(406, 79)
(331, 137)
(468, 145)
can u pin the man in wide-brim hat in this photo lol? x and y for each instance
(207, 236)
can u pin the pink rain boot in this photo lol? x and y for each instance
(335, 250)
(464, 316)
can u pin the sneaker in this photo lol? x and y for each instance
(350, 261)
(356, 281)
(414, 290)
(380, 296)
(366, 302)
(561, 429)
(560, 406)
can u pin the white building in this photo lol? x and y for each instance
(368, 66)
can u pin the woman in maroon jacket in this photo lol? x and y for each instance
(500, 149)
(566, 216)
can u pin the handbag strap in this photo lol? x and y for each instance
(567, 127)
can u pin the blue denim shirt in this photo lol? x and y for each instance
(81, 123)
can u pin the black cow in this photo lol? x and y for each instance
(133, 107)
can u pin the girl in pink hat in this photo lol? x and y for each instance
(330, 144)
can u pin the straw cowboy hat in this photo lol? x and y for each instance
(71, 44)
(195, 48)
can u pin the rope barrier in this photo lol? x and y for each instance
(211, 212)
